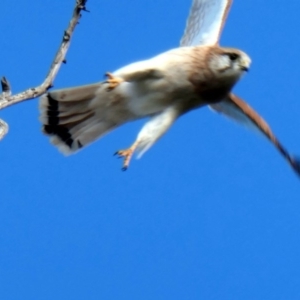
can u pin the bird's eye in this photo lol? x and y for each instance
(233, 56)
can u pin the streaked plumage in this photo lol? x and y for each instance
(163, 88)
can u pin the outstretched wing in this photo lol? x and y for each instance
(237, 109)
(205, 22)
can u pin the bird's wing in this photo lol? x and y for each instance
(155, 128)
(234, 108)
(205, 22)
(237, 109)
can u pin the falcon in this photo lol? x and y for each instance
(162, 88)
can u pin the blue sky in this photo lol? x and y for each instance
(212, 211)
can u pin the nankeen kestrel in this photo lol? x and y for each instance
(162, 88)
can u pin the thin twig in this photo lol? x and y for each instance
(6, 99)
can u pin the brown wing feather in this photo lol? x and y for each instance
(225, 15)
(236, 108)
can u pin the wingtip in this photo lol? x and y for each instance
(295, 163)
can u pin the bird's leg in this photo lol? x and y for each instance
(112, 81)
(127, 154)
(150, 133)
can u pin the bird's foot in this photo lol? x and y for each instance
(126, 154)
(112, 81)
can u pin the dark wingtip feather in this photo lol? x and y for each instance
(295, 163)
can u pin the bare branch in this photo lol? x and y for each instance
(3, 129)
(6, 99)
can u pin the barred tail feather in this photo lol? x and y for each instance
(75, 117)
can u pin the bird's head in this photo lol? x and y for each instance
(229, 62)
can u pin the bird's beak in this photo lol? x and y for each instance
(245, 64)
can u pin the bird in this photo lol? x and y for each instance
(198, 73)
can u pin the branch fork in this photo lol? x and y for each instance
(7, 98)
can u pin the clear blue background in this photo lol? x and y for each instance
(212, 211)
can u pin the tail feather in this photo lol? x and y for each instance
(75, 117)
(81, 93)
(69, 108)
(65, 118)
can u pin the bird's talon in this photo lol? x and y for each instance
(112, 81)
(126, 154)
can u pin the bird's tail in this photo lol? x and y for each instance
(75, 117)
